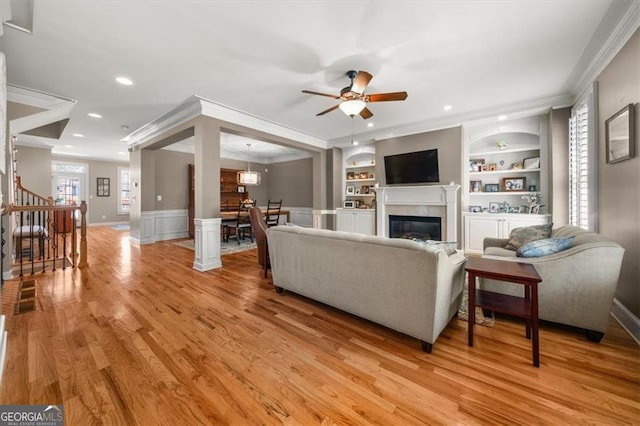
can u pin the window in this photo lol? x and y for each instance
(124, 192)
(68, 182)
(582, 164)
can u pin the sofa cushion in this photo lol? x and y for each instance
(544, 247)
(499, 251)
(449, 247)
(526, 234)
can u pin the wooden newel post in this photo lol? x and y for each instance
(83, 235)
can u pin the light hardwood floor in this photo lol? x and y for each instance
(139, 337)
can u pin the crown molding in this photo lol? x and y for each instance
(187, 110)
(528, 108)
(626, 26)
(36, 98)
(196, 106)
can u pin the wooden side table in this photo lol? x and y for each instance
(514, 272)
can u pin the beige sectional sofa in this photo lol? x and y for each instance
(578, 284)
(397, 283)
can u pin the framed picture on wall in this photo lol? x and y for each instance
(103, 187)
(620, 137)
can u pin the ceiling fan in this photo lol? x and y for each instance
(354, 101)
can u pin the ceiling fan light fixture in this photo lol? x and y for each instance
(352, 107)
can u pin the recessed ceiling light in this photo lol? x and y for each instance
(502, 117)
(94, 115)
(371, 124)
(68, 146)
(78, 135)
(124, 80)
(121, 152)
(354, 142)
(447, 107)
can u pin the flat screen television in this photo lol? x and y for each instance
(412, 167)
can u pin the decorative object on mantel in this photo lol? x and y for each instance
(620, 135)
(247, 177)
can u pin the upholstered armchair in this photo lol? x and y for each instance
(578, 284)
(260, 230)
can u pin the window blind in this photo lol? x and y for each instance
(579, 167)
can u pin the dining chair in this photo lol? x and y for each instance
(242, 224)
(273, 213)
(260, 229)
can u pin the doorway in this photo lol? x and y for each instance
(68, 184)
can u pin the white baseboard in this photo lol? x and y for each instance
(126, 222)
(627, 319)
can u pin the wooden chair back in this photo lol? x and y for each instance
(273, 212)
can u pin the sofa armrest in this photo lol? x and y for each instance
(494, 242)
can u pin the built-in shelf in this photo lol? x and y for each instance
(502, 172)
(359, 166)
(361, 180)
(477, 154)
(501, 193)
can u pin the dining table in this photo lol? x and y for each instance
(233, 214)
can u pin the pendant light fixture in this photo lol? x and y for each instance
(247, 177)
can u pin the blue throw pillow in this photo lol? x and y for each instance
(544, 247)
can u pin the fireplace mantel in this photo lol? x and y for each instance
(437, 200)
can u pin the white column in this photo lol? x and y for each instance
(451, 201)
(207, 244)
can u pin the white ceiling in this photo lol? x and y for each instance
(480, 57)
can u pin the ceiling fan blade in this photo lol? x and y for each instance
(328, 110)
(383, 97)
(321, 94)
(366, 113)
(360, 83)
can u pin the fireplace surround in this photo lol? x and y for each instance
(425, 201)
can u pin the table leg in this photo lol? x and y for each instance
(471, 309)
(534, 325)
(527, 322)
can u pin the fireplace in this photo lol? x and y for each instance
(415, 227)
(435, 201)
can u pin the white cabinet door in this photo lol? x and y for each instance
(360, 221)
(344, 220)
(365, 222)
(516, 222)
(477, 227)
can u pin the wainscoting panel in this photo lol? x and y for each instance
(171, 224)
(147, 226)
(301, 216)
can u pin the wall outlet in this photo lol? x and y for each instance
(159, 197)
(104, 216)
